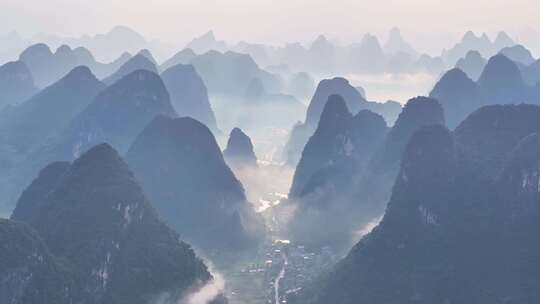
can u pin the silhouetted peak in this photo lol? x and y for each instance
(64, 49)
(188, 94)
(500, 63)
(340, 81)
(395, 44)
(99, 163)
(454, 75)
(370, 118)
(98, 153)
(124, 56)
(470, 39)
(193, 145)
(370, 41)
(36, 51)
(418, 112)
(239, 148)
(140, 59)
(79, 74)
(118, 114)
(209, 36)
(100, 206)
(192, 126)
(146, 53)
(124, 31)
(237, 133)
(518, 53)
(186, 130)
(503, 40)
(473, 55)
(458, 94)
(320, 42)
(122, 59)
(242, 60)
(472, 64)
(181, 69)
(428, 108)
(454, 79)
(83, 54)
(327, 87)
(184, 56)
(501, 73)
(469, 36)
(120, 29)
(199, 191)
(206, 42)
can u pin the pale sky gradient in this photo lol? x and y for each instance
(272, 21)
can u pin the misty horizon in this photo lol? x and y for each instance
(177, 22)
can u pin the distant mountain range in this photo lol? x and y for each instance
(501, 81)
(395, 55)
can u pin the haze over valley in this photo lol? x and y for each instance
(203, 152)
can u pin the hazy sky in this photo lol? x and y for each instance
(271, 21)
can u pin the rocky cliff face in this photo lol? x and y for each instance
(325, 182)
(29, 273)
(96, 217)
(450, 231)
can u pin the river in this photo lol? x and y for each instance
(280, 277)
